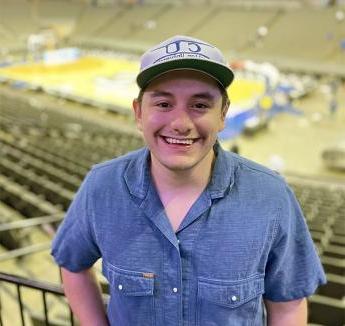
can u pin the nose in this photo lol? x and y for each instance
(181, 122)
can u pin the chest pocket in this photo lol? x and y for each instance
(230, 302)
(131, 296)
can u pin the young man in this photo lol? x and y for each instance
(188, 234)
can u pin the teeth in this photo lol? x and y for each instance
(179, 141)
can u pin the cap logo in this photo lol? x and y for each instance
(181, 49)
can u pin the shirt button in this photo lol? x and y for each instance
(120, 287)
(175, 290)
(178, 241)
(234, 298)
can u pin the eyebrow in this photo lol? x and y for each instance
(202, 95)
(154, 94)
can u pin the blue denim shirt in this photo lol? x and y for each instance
(243, 240)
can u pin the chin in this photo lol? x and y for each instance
(179, 166)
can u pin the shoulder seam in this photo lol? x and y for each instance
(113, 161)
(273, 174)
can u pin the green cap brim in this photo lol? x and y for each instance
(221, 73)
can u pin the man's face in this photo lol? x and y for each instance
(180, 115)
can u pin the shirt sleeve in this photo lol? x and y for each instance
(74, 246)
(293, 269)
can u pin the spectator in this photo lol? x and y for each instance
(188, 233)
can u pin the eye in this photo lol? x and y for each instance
(163, 105)
(200, 106)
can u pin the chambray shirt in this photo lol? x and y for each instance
(243, 240)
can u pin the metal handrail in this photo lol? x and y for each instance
(19, 281)
(33, 284)
(43, 287)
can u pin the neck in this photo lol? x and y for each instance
(196, 177)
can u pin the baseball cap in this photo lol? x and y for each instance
(184, 52)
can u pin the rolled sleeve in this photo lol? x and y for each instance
(74, 246)
(293, 269)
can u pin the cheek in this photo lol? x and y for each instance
(211, 126)
(152, 124)
(154, 121)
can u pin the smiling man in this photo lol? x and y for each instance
(188, 234)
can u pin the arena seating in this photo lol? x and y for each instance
(323, 204)
(50, 10)
(186, 19)
(43, 164)
(98, 16)
(135, 27)
(16, 22)
(227, 36)
(132, 19)
(307, 44)
(9, 239)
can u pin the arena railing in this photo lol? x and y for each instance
(43, 287)
(21, 282)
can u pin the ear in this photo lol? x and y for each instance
(223, 115)
(137, 113)
(225, 109)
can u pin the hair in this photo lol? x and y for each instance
(223, 91)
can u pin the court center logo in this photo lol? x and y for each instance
(180, 49)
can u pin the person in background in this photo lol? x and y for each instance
(333, 94)
(188, 233)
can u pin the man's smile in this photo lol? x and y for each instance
(179, 141)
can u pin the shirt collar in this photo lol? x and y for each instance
(223, 173)
(137, 175)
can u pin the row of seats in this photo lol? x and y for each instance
(55, 174)
(323, 204)
(52, 191)
(50, 155)
(25, 201)
(27, 117)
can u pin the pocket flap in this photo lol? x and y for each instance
(230, 293)
(127, 282)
